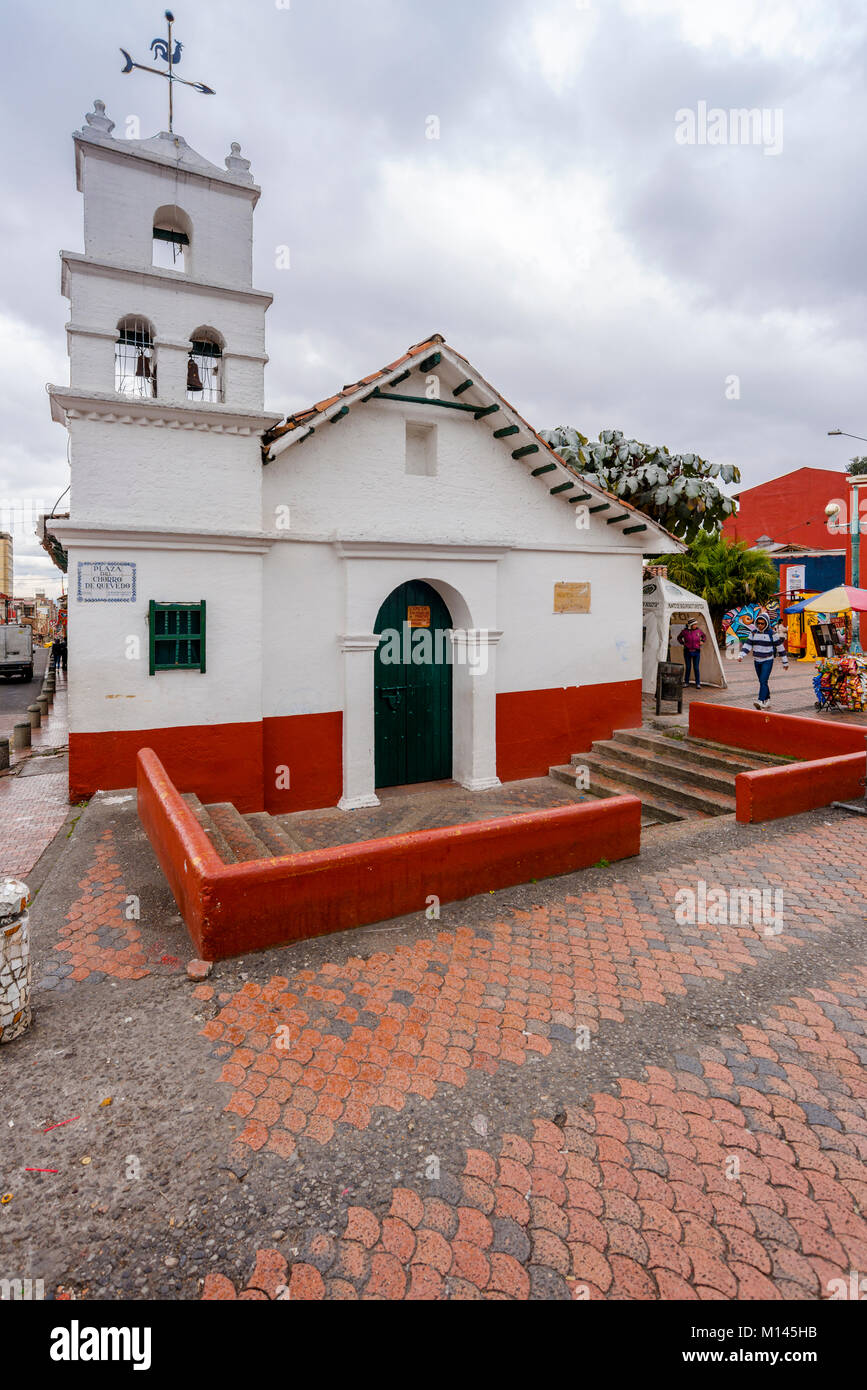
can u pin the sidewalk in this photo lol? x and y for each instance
(34, 802)
(791, 692)
(567, 1090)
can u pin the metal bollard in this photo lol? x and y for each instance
(4, 753)
(35, 715)
(21, 735)
(15, 976)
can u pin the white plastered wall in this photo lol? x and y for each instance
(483, 531)
(144, 475)
(112, 689)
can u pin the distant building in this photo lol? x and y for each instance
(37, 611)
(786, 517)
(5, 564)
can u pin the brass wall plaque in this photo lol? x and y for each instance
(572, 598)
(417, 616)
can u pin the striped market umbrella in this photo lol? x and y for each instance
(838, 600)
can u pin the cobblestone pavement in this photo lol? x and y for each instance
(737, 1173)
(100, 936)
(578, 1089)
(425, 808)
(791, 693)
(710, 1181)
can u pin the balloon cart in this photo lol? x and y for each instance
(840, 682)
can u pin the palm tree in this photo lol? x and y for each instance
(725, 574)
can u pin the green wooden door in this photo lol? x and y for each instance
(413, 688)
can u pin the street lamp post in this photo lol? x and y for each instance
(854, 528)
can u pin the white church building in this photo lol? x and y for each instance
(402, 584)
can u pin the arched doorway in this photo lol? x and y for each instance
(413, 688)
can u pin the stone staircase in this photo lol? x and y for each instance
(239, 839)
(676, 777)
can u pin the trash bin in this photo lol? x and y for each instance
(14, 959)
(669, 684)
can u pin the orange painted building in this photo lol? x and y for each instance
(791, 510)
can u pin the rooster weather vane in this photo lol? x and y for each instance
(167, 51)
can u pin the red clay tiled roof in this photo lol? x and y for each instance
(308, 416)
(423, 349)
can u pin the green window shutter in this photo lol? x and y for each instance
(176, 636)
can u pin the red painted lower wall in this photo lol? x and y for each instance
(538, 729)
(232, 909)
(311, 747)
(775, 792)
(787, 735)
(219, 762)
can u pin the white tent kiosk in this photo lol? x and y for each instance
(666, 609)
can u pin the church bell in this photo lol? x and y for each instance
(194, 381)
(143, 366)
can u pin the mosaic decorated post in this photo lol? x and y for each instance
(14, 960)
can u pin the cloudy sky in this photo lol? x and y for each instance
(597, 269)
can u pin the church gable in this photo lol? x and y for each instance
(427, 446)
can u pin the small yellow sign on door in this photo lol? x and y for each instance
(572, 598)
(418, 616)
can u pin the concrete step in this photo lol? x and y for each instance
(217, 839)
(669, 785)
(658, 763)
(655, 810)
(690, 750)
(244, 843)
(756, 760)
(279, 840)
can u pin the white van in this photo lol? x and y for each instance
(16, 651)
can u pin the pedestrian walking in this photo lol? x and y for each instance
(765, 645)
(691, 639)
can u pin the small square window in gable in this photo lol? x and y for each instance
(421, 450)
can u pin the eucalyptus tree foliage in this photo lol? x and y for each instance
(678, 490)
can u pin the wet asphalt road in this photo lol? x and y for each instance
(16, 695)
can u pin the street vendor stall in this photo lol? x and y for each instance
(840, 681)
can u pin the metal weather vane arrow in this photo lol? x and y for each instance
(170, 54)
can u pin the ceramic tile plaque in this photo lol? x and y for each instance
(106, 581)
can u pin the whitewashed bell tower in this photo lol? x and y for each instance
(164, 408)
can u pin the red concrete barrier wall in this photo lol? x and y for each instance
(232, 909)
(219, 762)
(538, 729)
(787, 735)
(186, 855)
(784, 791)
(311, 747)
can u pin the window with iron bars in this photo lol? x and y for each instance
(205, 369)
(177, 636)
(135, 370)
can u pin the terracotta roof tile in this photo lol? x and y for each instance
(303, 417)
(310, 415)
